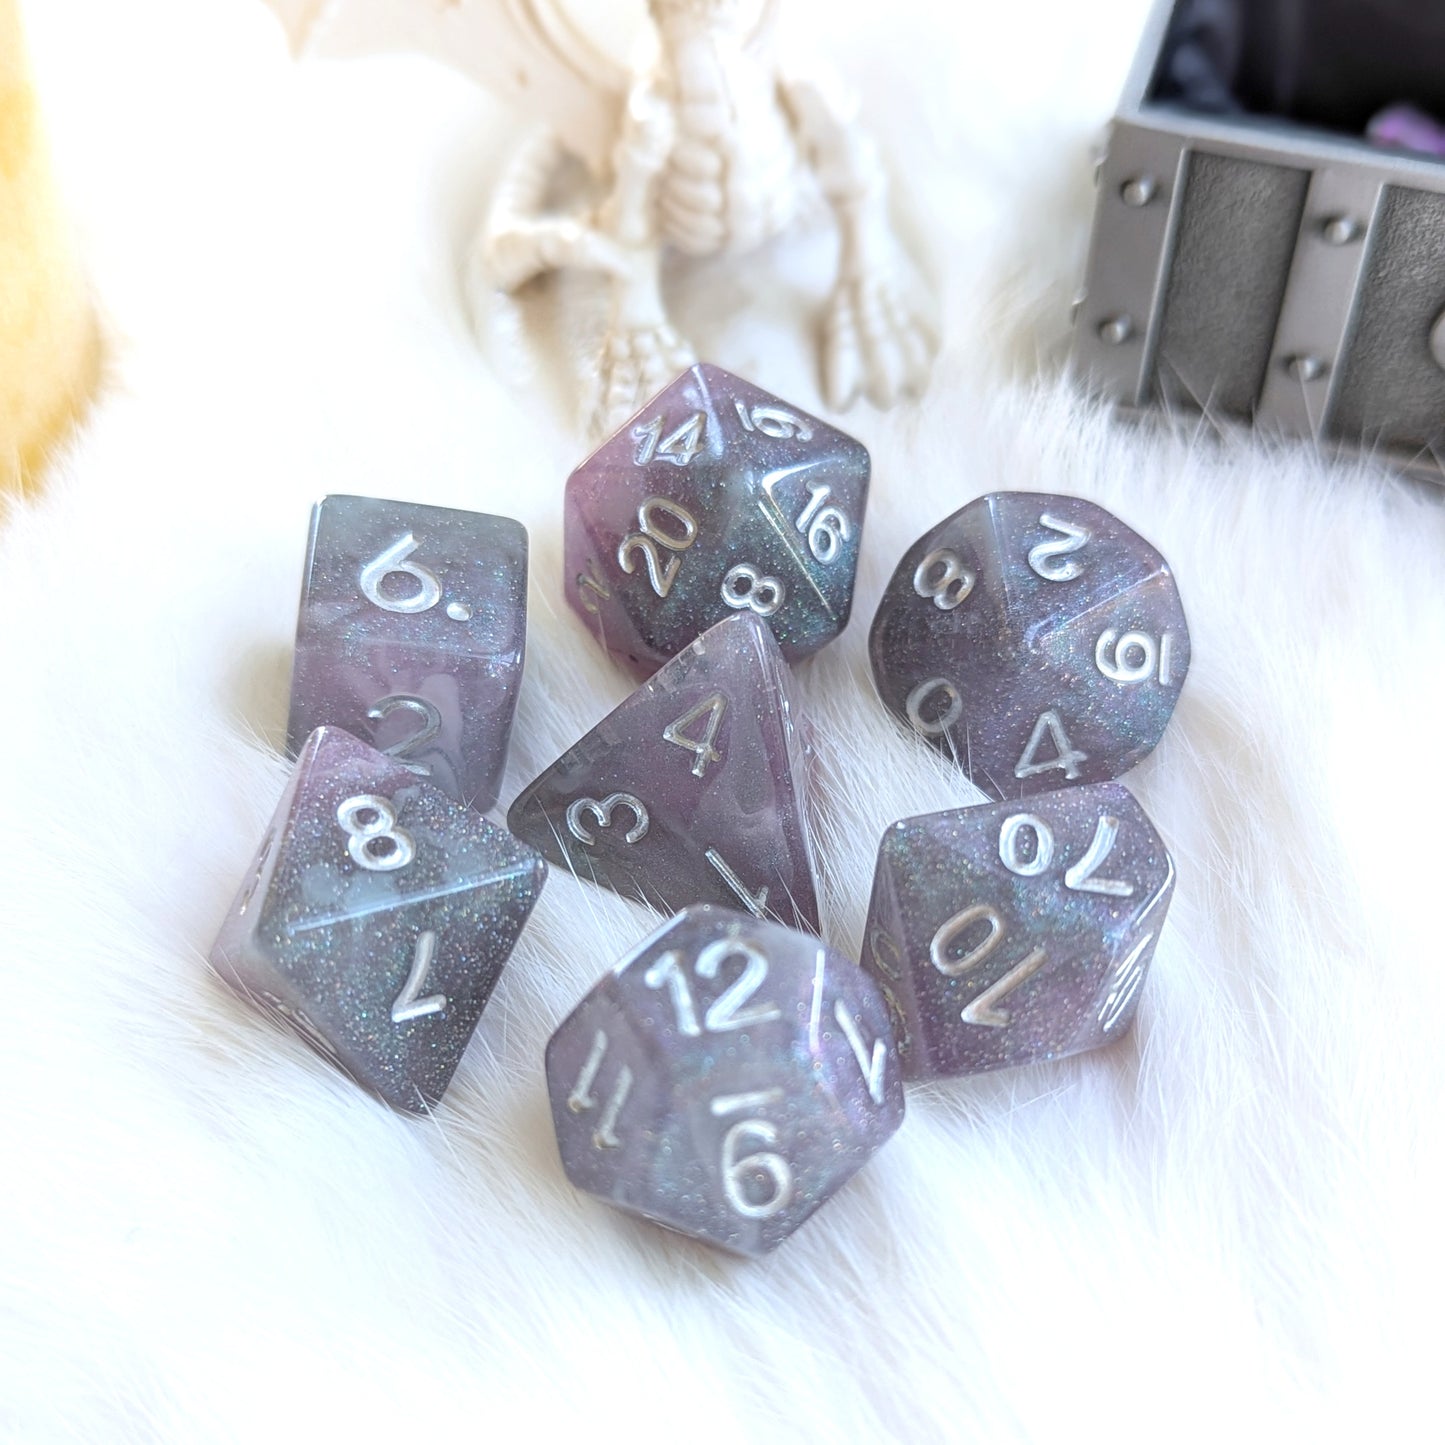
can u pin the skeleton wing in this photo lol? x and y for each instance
(533, 53)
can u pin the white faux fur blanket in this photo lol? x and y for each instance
(1225, 1228)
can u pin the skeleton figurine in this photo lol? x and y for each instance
(705, 145)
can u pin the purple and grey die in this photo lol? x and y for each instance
(715, 498)
(724, 1080)
(376, 918)
(694, 790)
(1016, 931)
(1035, 639)
(411, 634)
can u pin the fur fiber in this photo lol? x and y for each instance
(1225, 1228)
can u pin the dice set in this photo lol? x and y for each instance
(728, 1076)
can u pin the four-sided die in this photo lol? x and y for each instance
(376, 918)
(1036, 639)
(724, 1080)
(715, 498)
(694, 790)
(1016, 931)
(411, 634)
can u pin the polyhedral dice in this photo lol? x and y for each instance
(1035, 639)
(377, 917)
(695, 790)
(1016, 931)
(715, 498)
(724, 1080)
(411, 634)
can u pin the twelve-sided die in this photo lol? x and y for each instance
(724, 1080)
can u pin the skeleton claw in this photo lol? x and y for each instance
(525, 249)
(873, 345)
(634, 366)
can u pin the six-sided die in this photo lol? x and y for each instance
(411, 635)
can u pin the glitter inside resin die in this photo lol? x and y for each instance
(724, 1080)
(694, 790)
(715, 498)
(1035, 639)
(1016, 931)
(376, 918)
(411, 635)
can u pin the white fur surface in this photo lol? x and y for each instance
(1225, 1228)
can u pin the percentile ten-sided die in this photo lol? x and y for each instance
(411, 635)
(716, 498)
(376, 918)
(1013, 932)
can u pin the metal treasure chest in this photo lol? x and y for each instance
(1256, 254)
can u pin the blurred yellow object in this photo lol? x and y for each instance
(48, 350)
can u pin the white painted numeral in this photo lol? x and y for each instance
(409, 1004)
(826, 527)
(886, 952)
(764, 1166)
(773, 422)
(667, 973)
(1066, 756)
(369, 823)
(678, 447)
(962, 923)
(714, 706)
(871, 1062)
(429, 724)
(1134, 656)
(982, 1010)
(602, 813)
(945, 717)
(1010, 854)
(942, 577)
(591, 586)
(745, 586)
(580, 1100)
(1042, 557)
(1081, 876)
(727, 1011)
(651, 535)
(394, 561)
(1124, 985)
(755, 903)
